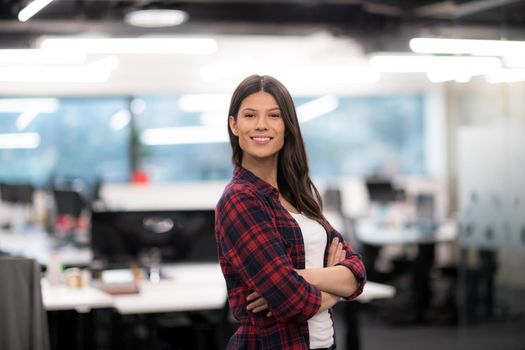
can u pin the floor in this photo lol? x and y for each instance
(380, 330)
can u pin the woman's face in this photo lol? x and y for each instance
(259, 127)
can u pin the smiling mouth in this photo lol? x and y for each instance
(261, 139)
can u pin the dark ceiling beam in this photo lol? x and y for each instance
(449, 9)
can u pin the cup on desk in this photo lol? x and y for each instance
(77, 278)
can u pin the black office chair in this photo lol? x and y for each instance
(23, 319)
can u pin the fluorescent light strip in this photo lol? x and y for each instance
(333, 74)
(156, 18)
(184, 135)
(39, 56)
(316, 108)
(96, 72)
(419, 63)
(506, 76)
(31, 9)
(120, 119)
(440, 77)
(468, 46)
(133, 45)
(19, 141)
(514, 61)
(19, 105)
(25, 118)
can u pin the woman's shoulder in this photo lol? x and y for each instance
(238, 189)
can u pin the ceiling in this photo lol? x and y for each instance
(286, 38)
(379, 25)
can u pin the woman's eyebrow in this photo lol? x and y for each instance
(254, 110)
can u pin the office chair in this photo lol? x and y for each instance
(23, 319)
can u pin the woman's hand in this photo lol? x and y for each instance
(336, 253)
(257, 304)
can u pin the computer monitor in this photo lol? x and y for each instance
(121, 238)
(17, 193)
(381, 190)
(69, 202)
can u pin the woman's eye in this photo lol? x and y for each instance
(249, 115)
(275, 115)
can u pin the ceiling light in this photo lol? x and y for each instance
(189, 45)
(514, 61)
(442, 76)
(39, 56)
(184, 135)
(120, 119)
(29, 140)
(324, 74)
(25, 118)
(96, 72)
(468, 46)
(18, 105)
(419, 63)
(31, 9)
(156, 18)
(316, 108)
(506, 76)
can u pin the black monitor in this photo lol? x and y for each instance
(69, 202)
(17, 193)
(381, 190)
(120, 238)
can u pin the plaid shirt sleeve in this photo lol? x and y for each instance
(352, 261)
(252, 244)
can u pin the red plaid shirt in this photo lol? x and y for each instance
(260, 245)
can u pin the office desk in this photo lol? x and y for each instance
(369, 232)
(189, 287)
(374, 236)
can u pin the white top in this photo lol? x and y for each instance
(320, 326)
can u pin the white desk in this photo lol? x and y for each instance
(82, 300)
(189, 287)
(374, 290)
(370, 232)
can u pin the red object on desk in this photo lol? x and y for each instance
(139, 177)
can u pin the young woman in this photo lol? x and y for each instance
(284, 264)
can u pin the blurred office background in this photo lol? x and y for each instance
(415, 137)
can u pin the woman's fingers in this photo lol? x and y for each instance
(332, 251)
(252, 296)
(342, 254)
(257, 304)
(260, 308)
(336, 252)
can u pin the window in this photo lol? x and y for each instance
(184, 137)
(83, 138)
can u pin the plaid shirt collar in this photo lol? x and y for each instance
(260, 185)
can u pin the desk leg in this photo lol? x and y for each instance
(421, 280)
(353, 340)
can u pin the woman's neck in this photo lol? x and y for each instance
(265, 169)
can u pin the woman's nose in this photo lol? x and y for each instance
(261, 124)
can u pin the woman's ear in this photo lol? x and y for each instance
(233, 125)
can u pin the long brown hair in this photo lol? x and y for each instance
(292, 169)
